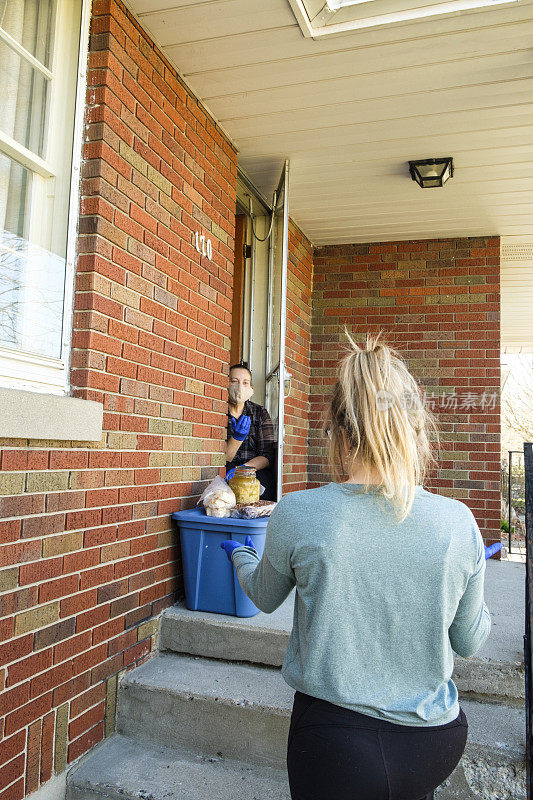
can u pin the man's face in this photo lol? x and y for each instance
(240, 386)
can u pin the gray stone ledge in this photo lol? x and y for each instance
(31, 415)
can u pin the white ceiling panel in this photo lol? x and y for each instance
(350, 110)
(172, 26)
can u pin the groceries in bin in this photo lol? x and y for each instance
(245, 485)
(218, 498)
(261, 508)
(239, 499)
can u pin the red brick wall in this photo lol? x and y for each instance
(89, 553)
(439, 301)
(298, 352)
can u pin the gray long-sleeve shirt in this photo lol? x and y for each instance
(379, 605)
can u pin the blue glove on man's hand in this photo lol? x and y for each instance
(229, 545)
(229, 474)
(240, 428)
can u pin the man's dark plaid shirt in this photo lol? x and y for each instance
(261, 440)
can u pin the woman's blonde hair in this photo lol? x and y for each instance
(376, 411)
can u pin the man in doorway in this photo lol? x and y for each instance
(250, 433)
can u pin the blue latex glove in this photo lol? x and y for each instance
(494, 548)
(229, 545)
(229, 474)
(240, 428)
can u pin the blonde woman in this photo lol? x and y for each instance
(389, 582)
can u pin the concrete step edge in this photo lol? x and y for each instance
(230, 639)
(213, 697)
(125, 769)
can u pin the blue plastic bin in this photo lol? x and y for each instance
(211, 582)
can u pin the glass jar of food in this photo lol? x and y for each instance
(245, 485)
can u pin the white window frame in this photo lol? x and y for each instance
(19, 369)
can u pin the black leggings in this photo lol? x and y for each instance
(334, 753)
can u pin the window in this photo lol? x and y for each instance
(39, 76)
(326, 17)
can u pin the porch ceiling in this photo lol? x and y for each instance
(350, 110)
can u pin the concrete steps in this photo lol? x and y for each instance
(124, 769)
(211, 710)
(249, 640)
(232, 709)
(495, 673)
(210, 706)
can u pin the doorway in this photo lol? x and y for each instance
(259, 299)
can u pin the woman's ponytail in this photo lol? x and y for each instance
(376, 412)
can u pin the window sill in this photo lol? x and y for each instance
(30, 415)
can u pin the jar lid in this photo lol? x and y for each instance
(244, 470)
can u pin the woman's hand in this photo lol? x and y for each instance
(229, 474)
(240, 428)
(489, 551)
(229, 545)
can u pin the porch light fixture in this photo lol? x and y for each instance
(430, 172)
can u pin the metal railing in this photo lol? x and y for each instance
(513, 481)
(528, 470)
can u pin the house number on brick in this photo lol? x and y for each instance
(203, 245)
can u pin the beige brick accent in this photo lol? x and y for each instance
(172, 207)
(181, 459)
(192, 474)
(36, 618)
(158, 180)
(121, 441)
(9, 579)
(194, 386)
(147, 629)
(459, 474)
(171, 475)
(181, 428)
(46, 481)
(455, 455)
(468, 280)
(162, 426)
(110, 704)
(119, 477)
(60, 744)
(112, 552)
(174, 412)
(217, 231)
(166, 539)
(133, 158)
(193, 445)
(12, 483)
(160, 459)
(66, 543)
(125, 296)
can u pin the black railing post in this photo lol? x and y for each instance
(509, 495)
(528, 470)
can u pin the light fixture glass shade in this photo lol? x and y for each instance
(431, 172)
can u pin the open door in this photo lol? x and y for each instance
(276, 372)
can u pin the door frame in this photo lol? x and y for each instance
(280, 370)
